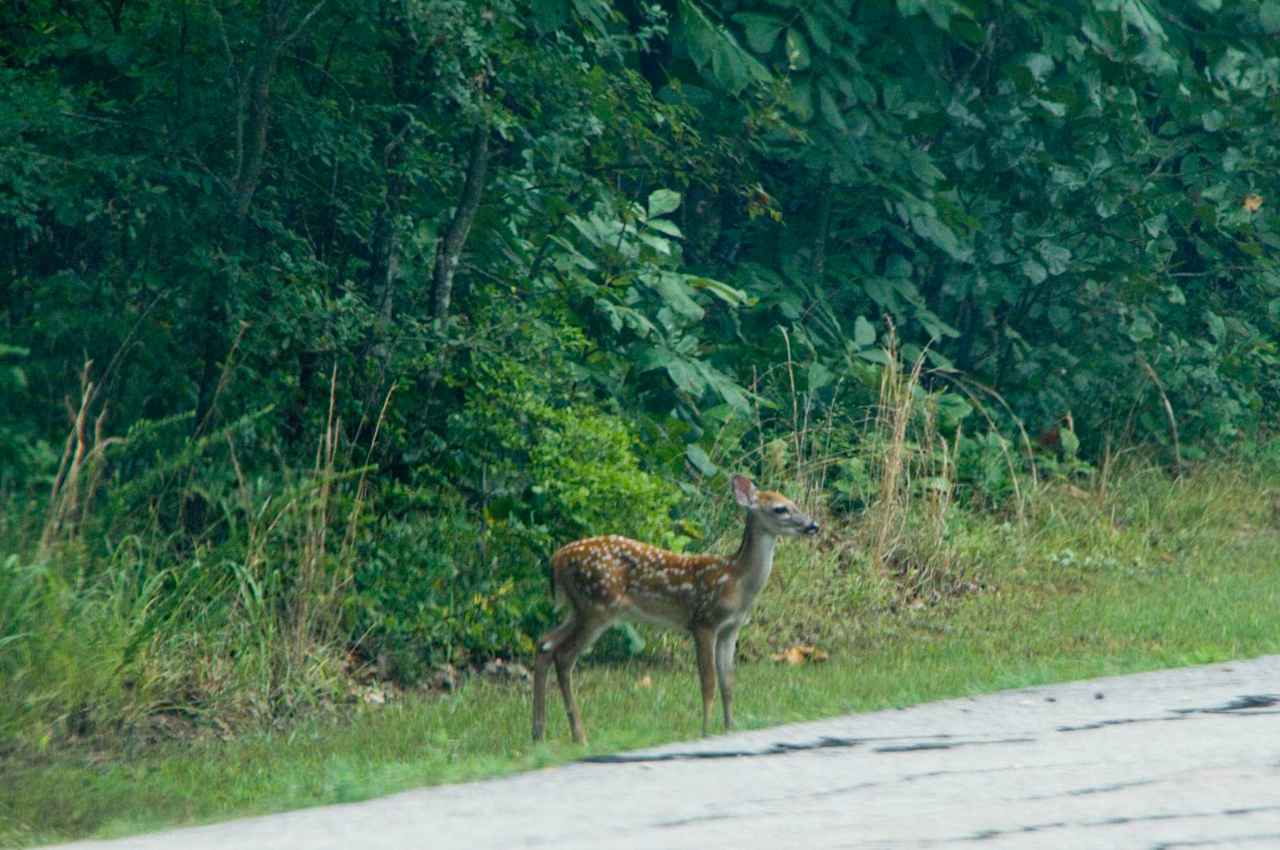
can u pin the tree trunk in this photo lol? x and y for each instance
(253, 121)
(401, 47)
(449, 248)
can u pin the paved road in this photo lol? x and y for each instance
(1175, 759)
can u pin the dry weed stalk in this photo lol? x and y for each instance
(892, 417)
(81, 467)
(1168, 412)
(315, 617)
(914, 459)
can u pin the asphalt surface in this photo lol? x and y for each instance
(1186, 758)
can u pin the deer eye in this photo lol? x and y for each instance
(780, 509)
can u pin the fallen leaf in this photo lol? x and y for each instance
(800, 653)
(1252, 202)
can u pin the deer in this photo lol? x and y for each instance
(602, 580)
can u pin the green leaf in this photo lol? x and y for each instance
(819, 376)
(1138, 16)
(1269, 16)
(830, 109)
(1056, 258)
(800, 101)
(935, 326)
(726, 293)
(1070, 442)
(953, 409)
(1213, 120)
(1107, 206)
(1217, 326)
(677, 294)
(550, 15)
(711, 45)
(922, 166)
(1057, 110)
(865, 91)
(817, 31)
(684, 375)
(733, 394)
(898, 266)
(657, 243)
(1040, 65)
(761, 30)
(594, 12)
(797, 50)
(662, 202)
(1140, 329)
(874, 355)
(941, 236)
(662, 225)
(1035, 272)
(939, 11)
(700, 460)
(864, 334)
(1060, 318)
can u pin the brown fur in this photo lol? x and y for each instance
(606, 579)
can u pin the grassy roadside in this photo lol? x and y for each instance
(1150, 573)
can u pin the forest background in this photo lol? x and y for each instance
(323, 323)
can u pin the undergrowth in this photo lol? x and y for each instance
(1154, 572)
(188, 599)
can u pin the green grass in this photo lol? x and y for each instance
(1156, 574)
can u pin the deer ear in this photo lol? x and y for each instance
(744, 491)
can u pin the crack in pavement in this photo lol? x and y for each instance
(779, 749)
(1242, 706)
(1120, 721)
(1094, 789)
(1245, 704)
(987, 834)
(945, 745)
(1242, 703)
(672, 824)
(940, 742)
(1226, 840)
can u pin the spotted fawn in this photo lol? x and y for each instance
(602, 580)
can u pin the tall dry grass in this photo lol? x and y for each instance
(118, 622)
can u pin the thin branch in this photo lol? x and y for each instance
(1168, 412)
(306, 19)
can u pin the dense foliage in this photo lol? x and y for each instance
(383, 299)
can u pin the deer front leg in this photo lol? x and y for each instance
(704, 640)
(726, 648)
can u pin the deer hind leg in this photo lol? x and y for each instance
(726, 648)
(704, 642)
(585, 631)
(546, 652)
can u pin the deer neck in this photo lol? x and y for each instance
(754, 559)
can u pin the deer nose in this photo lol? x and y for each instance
(811, 529)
